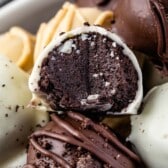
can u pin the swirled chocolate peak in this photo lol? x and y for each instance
(76, 141)
(143, 25)
(90, 70)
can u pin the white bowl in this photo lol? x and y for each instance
(27, 13)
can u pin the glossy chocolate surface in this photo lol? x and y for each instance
(76, 141)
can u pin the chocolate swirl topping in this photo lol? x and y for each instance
(83, 136)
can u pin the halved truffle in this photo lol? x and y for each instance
(75, 141)
(87, 69)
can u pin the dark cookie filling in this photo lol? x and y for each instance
(88, 72)
(74, 141)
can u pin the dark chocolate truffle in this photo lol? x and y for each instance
(75, 141)
(89, 70)
(142, 24)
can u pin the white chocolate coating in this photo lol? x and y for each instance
(34, 78)
(150, 129)
(16, 119)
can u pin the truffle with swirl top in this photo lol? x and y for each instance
(73, 140)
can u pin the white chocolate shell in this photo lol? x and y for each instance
(17, 121)
(150, 129)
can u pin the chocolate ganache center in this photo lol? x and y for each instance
(88, 72)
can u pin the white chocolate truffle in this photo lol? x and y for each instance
(150, 129)
(66, 46)
(17, 121)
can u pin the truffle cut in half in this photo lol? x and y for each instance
(88, 69)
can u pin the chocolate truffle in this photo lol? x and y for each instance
(88, 69)
(145, 28)
(142, 24)
(75, 141)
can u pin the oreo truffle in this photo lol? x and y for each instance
(75, 141)
(90, 70)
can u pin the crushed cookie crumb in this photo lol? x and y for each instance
(39, 104)
(113, 21)
(61, 33)
(38, 126)
(9, 107)
(16, 108)
(3, 85)
(86, 24)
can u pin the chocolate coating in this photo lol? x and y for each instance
(144, 28)
(143, 25)
(76, 141)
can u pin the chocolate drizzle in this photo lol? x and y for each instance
(53, 156)
(80, 131)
